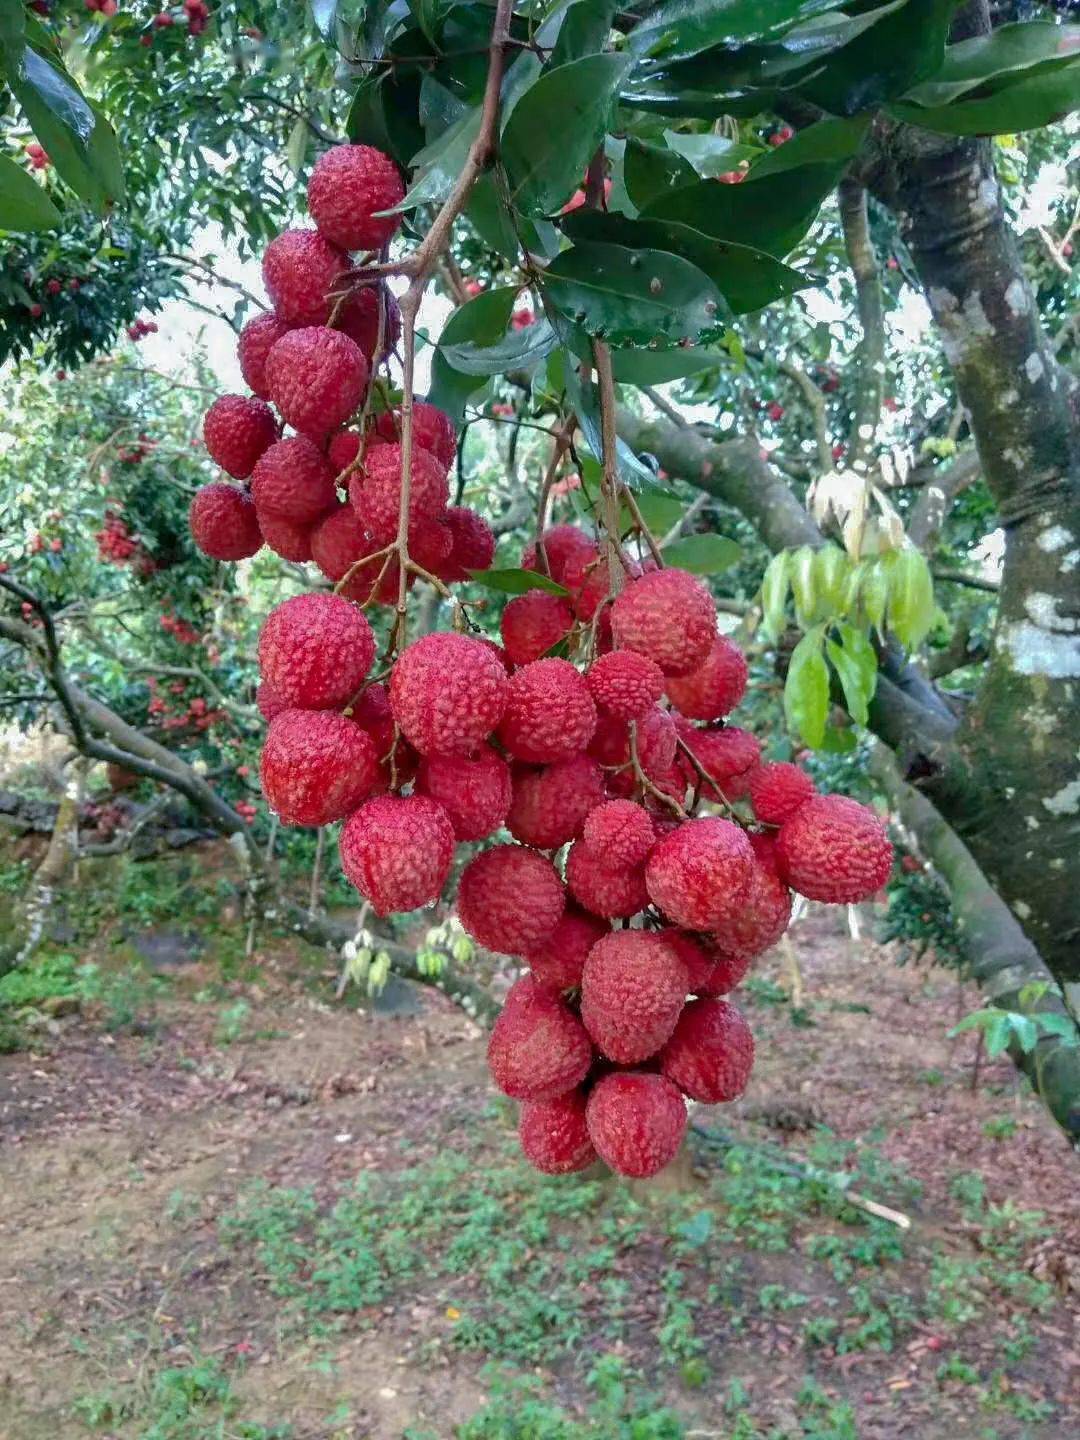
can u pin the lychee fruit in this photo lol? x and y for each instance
(636, 1122)
(710, 1053)
(602, 887)
(375, 490)
(620, 829)
(223, 522)
(667, 616)
(398, 761)
(727, 970)
(269, 702)
(655, 740)
(538, 1048)
(728, 756)
(349, 185)
(777, 791)
(300, 268)
(558, 963)
(342, 449)
(448, 692)
(533, 623)
(257, 339)
(549, 805)
(510, 899)
(397, 851)
(359, 319)
(714, 689)
(698, 962)
(549, 714)
(472, 544)
(700, 873)
(568, 551)
(316, 767)
(554, 1136)
(432, 429)
(237, 429)
(293, 479)
(765, 911)
(474, 790)
(834, 849)
(291, 539)
(315, 650)
(632, 990)
(317, 378)
(625, 685)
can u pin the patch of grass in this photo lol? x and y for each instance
(189, 1402)
(126, 995)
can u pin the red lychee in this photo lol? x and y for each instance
(714, 689)
(398, 761)
(473, 790)
(338, 541)
(765, 911)
(510, 899)
(343, 449)
(632, 990)
(711, 1052)
(601, 886)
(257, 339)
(472, 544)
(625, 685)
(726, 972)
(667, 616)
(237, 429)
(558, 963)
(448, 693)
(533, 623)
(317, 378)
(728, 756)
(375, 490)
(223, 522)
(294, 481)
(316, 767)
(549, 805)
(269, 701)
(549, 713)
(698, 962)
(834, 849)
(538, 1048)
(433, 430)
(349, 185)
(777, 791)
(359, 319)
(700, 873)
(315, 651)
(656, 740)
(636, 1122)
(554, 1136)
(568, 550)
(397, 850)
(291, 539)
(300, 268)
(620, 829)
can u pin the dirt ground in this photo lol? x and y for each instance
(249, 1211)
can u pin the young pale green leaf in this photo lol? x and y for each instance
(1063, 1026)
(515, 350)
(874, 592)
(806, 690)
(774, 592)
(1003, 55)
(835, 138)
(1034, 99)
(681, 28)
(703, 554)
(296, 146)
(831, 570)
(839, 742)
(632, 297)
(710, 155)
(855, 663)
(516, 582)
(803, 573)
(911, 597)
(24, 205)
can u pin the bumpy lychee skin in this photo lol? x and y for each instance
(625, 685)
(700, 873)
(632, 990)
(269, 701)
(550, 805)
(667, 616)
(620, 829)
(237, 429)
(223, 522)
(726, 972)
(549, 715)
(636, 1122)
(317, 378)
(338, 541)
(342, 449)
(568, 550)
(316, 767)
(315, 650)
(558, 963)
(474, 791)
(714, 689)
(293, 479)
(375, 490)
(728, 756)
(448, 693)
(765, 912)
(359, 319)
(656, 742)
(538, 1048)
(291, 539)
(300, 268)
(398, 761)
(693, 954)
(433, 430)
(397, 850)
(533, 623)
(348, 186)
(711, 1052)
(554, 1136)
(834, 849)
(257, 339)
(472, 544)
(602, 887)
(777, 791)
(510, 899)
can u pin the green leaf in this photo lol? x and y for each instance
(836, 138)
(1024, 1031)
(906, 45)
(516, 582)
(12, 38)
(515, 350)
(657, 367)
(831, 571)
(774, 592)
(296, 146)
(660, 510)
(839, 742)
(874, 593)
(1005, 53)
(652, 170)
(80, 141)
(806, 690)
(703, 554)
(773, 214)
(855, 663)
(324, 13)
(482, 321)
(1035, 99)
(24, 205)
(555, 128)
(490, 214)
(583, 401)
(632, 297)
(976, 1020)
(911, 596)
(710, 155)
(683, 28)
(584, 31)
(1062, 1025)
(59, 94)
(437, 166)
(803, 574)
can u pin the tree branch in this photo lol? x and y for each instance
(871, 353)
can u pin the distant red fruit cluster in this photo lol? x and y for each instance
(139, 329)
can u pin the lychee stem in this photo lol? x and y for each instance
(704, 775)
(646, 783)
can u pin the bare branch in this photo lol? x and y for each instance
(871, 353)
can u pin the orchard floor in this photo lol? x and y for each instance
(235, 1210)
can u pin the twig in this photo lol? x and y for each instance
(691, 513)
(860, 251)
(618, 566)
(197, 264)
(974, 582)
(665, 408)
(644, 781)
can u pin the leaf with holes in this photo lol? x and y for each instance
(632, 297)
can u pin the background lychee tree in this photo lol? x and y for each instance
(593, 217)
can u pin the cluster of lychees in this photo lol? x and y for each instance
(635, 906)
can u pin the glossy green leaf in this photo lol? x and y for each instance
(774, 593)
(12, 38)
(911, 596)
(516, 582)
(906, 45)
(515, 350)
(652, 170)
(80, 141)
(488, 212)
(555, 128)
(835, 138)
(59, 94)
(660, 510)
(24, 205)
(1003, 54)
(703, 554)
(583, 401)
(632, 296)
(831, 568)
(806, 690)
(296, 146)
(855, 663)
(710, 155)
(657, 367)
(1035, 99)
(682, 28)
(437, 166)
(482, 321)
(585, 29)
(773, 214)
(803, 574)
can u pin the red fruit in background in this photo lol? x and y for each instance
(472, 544)
(223, 522)
(558, 963)
(269, 701)
(728, 756)
(714, 689)
(764, 913)
(348, 185)
(602, 887)
(343, 449)
(316, 767)
(359, 319)
(510, 899)
(554, 1136)
(625, 685)
(777, 791)
(397, 851)
(775, 411)
(538, 1048)
(53, 287)
(291, 539)
(257, 339)
(372, 713)
(315, 650)
(700, 873)
(473, 790)
(533, 623)
(567, 548)
(432, 430)
(375, 490)
(620, 830)
(550, 805)
(711, 1053)
(36, 310)
(317, 378)
(300, 268)
(448, 693)
(834, 849)
(595, 587)
(667, 616)
(636, 1121)
(632, 990)
(292, 479)
(549, 712)
(237, 429)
